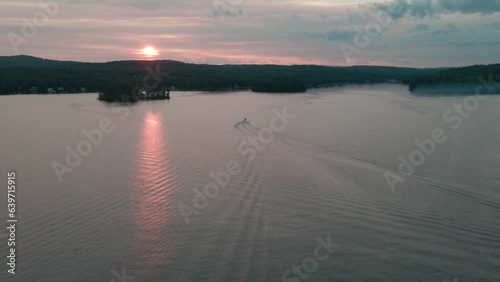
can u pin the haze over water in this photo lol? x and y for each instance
(322, 176)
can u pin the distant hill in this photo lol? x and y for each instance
(26, 74)
(27, 62)
(457, 80)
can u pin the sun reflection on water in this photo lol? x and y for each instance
(153, 184)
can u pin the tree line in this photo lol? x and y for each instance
(25, 74)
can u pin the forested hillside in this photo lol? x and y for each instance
(467, 78)
(24, 74)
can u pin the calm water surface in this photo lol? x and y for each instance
(322, 176)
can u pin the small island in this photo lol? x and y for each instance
(129, 94)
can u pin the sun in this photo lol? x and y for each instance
(149, 52)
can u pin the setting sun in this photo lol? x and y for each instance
(149, 52)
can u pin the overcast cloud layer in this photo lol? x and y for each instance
(435, 8)
(413, 33)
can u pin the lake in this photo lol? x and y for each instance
(358, 183)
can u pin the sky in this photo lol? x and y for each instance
(407, 33)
